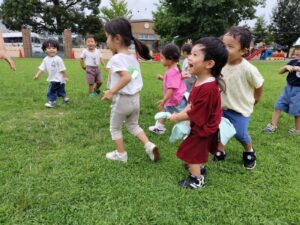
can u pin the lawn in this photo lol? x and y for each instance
(53, 168)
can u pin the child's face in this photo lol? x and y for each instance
(51, 51)
(297, 52)
(90, 43)
(164, 61)
(184, 54)
(233, 47)
(196, 62)
(111, 43)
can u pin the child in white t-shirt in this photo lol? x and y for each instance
(124, 87)
(189, 79)
(57, 77)
(89, 61)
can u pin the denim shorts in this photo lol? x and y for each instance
(240, 123)
(177, 108)
(289, 101)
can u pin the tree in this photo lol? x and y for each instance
(197, 18)
(285, 23)
(52, 16)
(118, 8)
(261, 31)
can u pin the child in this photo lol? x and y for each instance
(244, 86)
(125, 85)
(56, 70)
(289, 101)
(204, 110)
(189, 79)
(4, 54)
(174, 86)
(89, 61)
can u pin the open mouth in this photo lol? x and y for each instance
(190, 65)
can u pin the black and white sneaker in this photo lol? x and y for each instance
(157, 129)
(249, 159)
(219, 156)
(192, 182)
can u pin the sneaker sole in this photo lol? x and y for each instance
(250, 168)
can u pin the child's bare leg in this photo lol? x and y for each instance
(120, 145)
(297, 123)
(275, 117)
(142, 137)
(91, 88)
(221, 147)
(195, 169)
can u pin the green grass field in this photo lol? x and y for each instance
(53, 168)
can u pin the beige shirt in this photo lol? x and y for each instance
(241, 81)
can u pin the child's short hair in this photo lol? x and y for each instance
(89, 36)
(50, 43)
(242, 34)
(171, 52)
(186, 48)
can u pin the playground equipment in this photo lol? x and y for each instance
(267, 54)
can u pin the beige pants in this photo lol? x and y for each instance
(125, 108)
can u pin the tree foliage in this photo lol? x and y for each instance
(285, 23)
(52, 16)
(118, 8)
(184, 19)
(261, 31)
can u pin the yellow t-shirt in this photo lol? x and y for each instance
(241, 81)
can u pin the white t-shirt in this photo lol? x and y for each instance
(91, 58)
(53, 66)
(241, 81)
(185, 66)
(124, 62)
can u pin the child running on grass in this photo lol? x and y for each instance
(189, 79)
(289, 101)
(204, 110)
(174, 86)
(244, 85)
(89, 61)
(56, 70)
(125, 86)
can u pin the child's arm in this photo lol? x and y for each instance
(177, 117)
(103, 64)
(65, 75)
(4, 55)
(167, 96)
(82, 63)
(125, 78)
(160, 77)
(38, 74)
(258, 94)
(286, 68)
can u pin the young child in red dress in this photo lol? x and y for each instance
(204, 110)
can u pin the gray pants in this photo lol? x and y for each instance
(125, 108)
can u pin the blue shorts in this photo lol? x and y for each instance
(289, 101)
(177, 108)
(240, 123)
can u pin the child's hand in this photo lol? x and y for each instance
(289, 68)
(159, 77)
(160, 104)
(185, 76)
(173, 118)
(66, 79)
(107, 95)
(36, 77)
(297, 68)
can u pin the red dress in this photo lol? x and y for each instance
(205, 115)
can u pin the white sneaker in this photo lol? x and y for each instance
(49, 104)
(157, 129)
(115, 155)
(66, 99)
(152, 151)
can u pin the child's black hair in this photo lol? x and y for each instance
(242, 34)
(89, 36)
(214, 49)
(122, 27)
(50, 43)
(187, 48)
(171, 52)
